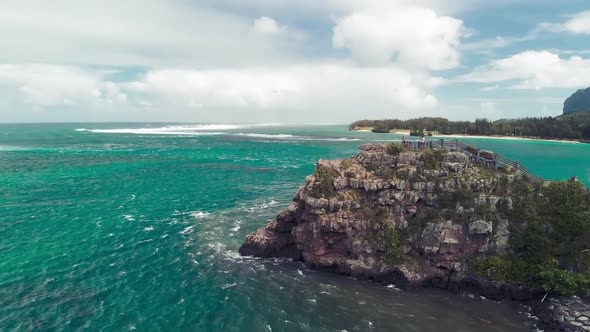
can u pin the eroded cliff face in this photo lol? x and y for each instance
(414, 217)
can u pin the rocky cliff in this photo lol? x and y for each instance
(415, 218)
(437, 219)
(579, 101)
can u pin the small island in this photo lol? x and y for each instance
(573, 126)
(442, 218)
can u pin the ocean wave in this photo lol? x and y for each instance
(255, 135)
(297, 138)
(149, 131)
(196, 129)
(341, 139)
(200, 214)
(10, 148)
(187, 230)
(262, 206)
(215, 129)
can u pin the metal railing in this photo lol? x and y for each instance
(480, 157)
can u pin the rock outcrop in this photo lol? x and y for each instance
(579, 101)
(441, 207)
(564, 314)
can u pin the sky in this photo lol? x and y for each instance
(289, 61)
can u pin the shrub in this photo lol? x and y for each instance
(553, 222)
(324, 186)
(550, 239)
(345, 164)
(389, 239)
(424, 214)
(385, 172)
(350, 174)
(380, 129)
(484, 211)
(465, 196)
(432, 158)
(502, 186)
(565, 282)
(394, 149)
(372, 167)
(504, 269)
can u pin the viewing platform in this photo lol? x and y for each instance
(480, 157)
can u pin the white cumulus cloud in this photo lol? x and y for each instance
(412, 36)
(130, 33)
(534, 70)
(577, 24)
(268, 25)
(52, 85)
(350, 90)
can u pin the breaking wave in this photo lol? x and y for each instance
(215, 129)
(10, 148)
(297, 138)
(197, 129)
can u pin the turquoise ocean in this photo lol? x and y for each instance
(136, 226)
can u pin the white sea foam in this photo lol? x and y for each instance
(196, 129)
(199, 214)
(263, 206)
(187, 230)
(10, 148)
(297, 138)
(278, 136)
(215, 129)
(153, 131)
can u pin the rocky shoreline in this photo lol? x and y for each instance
(564, 314)
(413, 219)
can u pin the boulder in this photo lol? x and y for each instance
(480, 227)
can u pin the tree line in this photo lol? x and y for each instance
(570, 126)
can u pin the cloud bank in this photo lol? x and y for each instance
(229, 60)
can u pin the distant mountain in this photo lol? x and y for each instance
(579, 101)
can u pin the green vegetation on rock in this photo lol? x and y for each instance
(550, 239)
(390, 241)
(432, 158)
(324, 186)
(394, 149)
(345, 164)
(503, 269)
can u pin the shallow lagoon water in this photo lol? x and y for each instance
(136, 226)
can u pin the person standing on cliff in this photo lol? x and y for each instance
(422, 142)
(404, 144)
